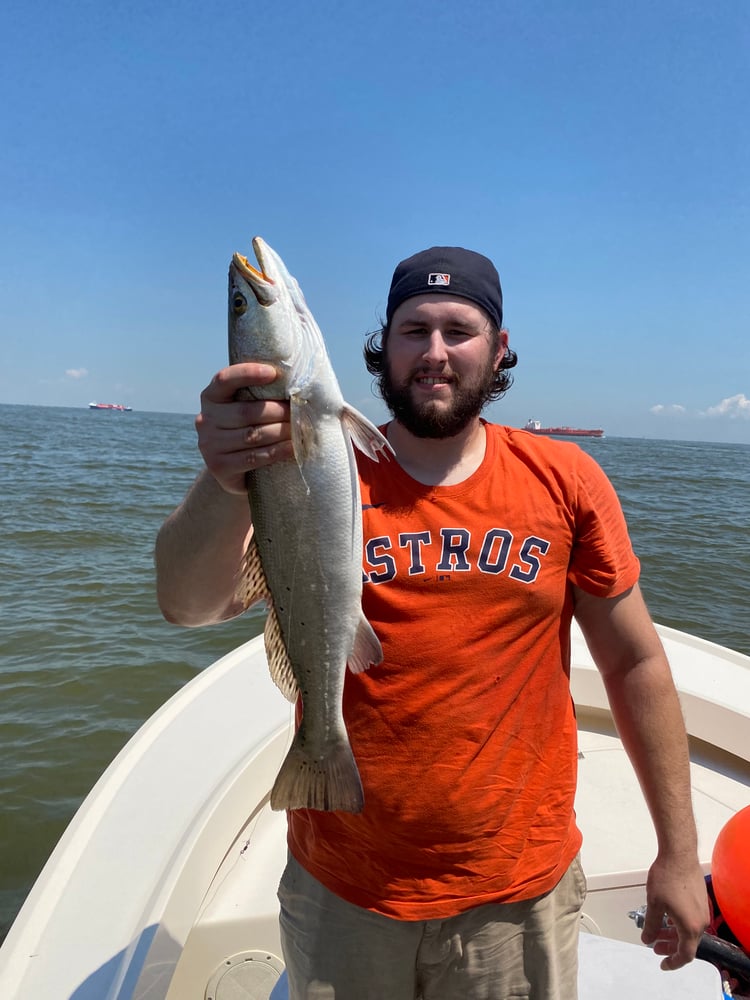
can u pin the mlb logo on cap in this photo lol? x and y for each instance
(438, 279)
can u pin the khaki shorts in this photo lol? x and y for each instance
(500, 951)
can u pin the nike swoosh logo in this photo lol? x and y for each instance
(372, 506)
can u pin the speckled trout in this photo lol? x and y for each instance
(305, 554)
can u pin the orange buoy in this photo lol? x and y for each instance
(730, 874)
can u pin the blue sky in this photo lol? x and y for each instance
(597, 151)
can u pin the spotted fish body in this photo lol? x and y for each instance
(305, 554)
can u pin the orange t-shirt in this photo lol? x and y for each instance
(465, 735)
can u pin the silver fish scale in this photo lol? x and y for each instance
(300, 524)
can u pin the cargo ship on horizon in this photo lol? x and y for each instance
(535, 427)
(111, 406)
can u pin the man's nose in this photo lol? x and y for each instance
(435, 351)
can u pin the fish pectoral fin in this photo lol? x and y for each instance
(252, 586)
(304, 435)
(365, 434)
(278, 659)
(367, 651)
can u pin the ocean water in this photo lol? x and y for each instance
(85, 656)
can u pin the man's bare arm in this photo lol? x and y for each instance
(647, 713)
(198, 555)
(200, 546)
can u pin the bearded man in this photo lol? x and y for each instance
(461, 877)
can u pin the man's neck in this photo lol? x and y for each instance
(439, 461)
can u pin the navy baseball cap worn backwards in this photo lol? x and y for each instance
(451, 270)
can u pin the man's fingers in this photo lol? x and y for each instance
(679, 953)
(677, 946)
(244, 416)
(224, 385)
(653, 925)
(264, 411)
(262, 434)
(256, 458)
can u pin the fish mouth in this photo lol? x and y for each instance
(260, 282)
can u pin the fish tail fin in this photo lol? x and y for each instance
(367, 650)
(365, 434)
(328, 783)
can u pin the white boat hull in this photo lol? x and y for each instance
(165, 882)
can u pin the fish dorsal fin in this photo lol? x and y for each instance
(367, 650)
(252, 588)
(365, 434)
(311, 353)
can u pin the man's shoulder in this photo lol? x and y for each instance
(523, 441)
(544, 456)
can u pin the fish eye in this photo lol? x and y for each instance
(239, 304)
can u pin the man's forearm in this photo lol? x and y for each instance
(649, 720)
(646, 710)
(198, 555)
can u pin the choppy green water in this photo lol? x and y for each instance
(85, 656)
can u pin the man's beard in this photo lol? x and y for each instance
(428, 420)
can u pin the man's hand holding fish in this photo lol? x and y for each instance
(235, 435)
